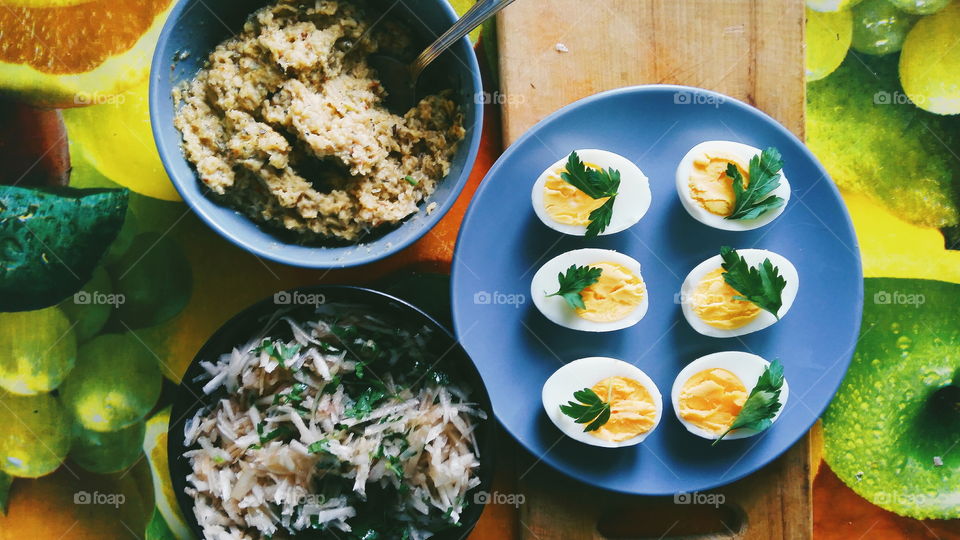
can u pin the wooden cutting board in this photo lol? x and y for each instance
(553, 52)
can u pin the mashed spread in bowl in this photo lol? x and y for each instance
(632, 410)
(286, 124)
(712, 399)
(710, 186)
(615, 295)
(713, 301)
(565, 203)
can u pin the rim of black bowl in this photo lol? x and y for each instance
(189, 396)
(361, 254)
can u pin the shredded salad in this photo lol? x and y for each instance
(344, 425)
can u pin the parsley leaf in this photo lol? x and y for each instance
(751, 201)
(597, 184)
(762, 285)
(600, 218)
(575, 280)
(278, 350)
(587, 409)
(293, 397)
(321, 446)
(763, 402)
(364, 404)
(282, 431)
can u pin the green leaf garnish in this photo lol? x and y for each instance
(281, 431)
(761, 285)
(587, 409)
(365, 403)
(411, 180)
(321, 446)
(576, 279)
(752, 201)
(278, 350)
(763, 402)
(597, 184)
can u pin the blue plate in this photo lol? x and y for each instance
(502, 244)
(195, 27)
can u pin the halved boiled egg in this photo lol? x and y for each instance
(709, 393)
(709, 305)
(618, 299)
(706, 191)
(565, 208)
(635, 403)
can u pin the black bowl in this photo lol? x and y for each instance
(252, 321)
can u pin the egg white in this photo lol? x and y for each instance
(701, 214)
(633, 196)
(747, 367)
(753, 257)
(584, 373)
(555, 308)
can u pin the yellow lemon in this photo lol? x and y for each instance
(930, 62)
(155, 448)
(891, 247)
(828, 39)
(115, 137)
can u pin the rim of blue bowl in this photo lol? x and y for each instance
(360, 256)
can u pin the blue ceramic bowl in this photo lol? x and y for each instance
(196, 27)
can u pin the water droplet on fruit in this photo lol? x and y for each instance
(895, 328)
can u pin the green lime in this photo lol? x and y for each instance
(872, 140)
(930, 62)
(831, 5)
(108, 451)
(879, 27)
(35, 436)
(123, 241)
(154, 279)
(90, 307)
(891, 431)
(39, 350)
(828, 40)
(920, 7)
(115, 384)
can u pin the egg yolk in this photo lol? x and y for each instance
(710, 186)
(713, 301)
(632, 411)
(566, 204)
(614, 296)
(712, 399)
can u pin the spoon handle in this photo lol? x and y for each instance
(481, 11)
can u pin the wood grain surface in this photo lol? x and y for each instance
(553, 52)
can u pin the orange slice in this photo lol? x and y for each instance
(75, 54)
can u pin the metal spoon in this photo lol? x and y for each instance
(400, 79)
